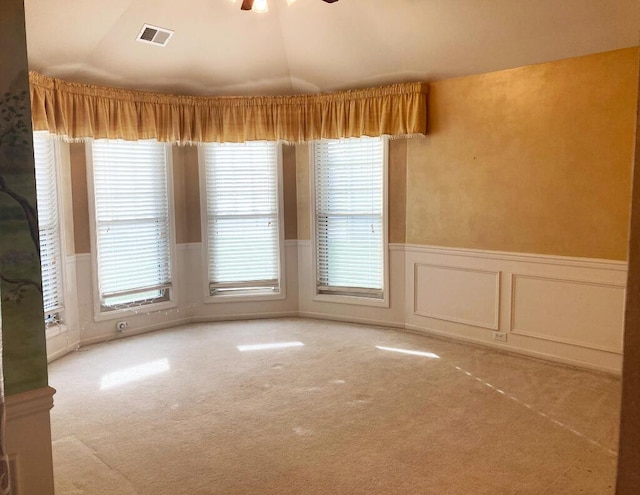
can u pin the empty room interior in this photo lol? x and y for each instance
(314, 246)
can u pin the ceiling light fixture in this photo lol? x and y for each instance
(261, 6)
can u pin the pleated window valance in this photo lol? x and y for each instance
(80, 111)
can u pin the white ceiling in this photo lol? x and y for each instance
(311, 46)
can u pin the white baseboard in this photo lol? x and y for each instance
(62, 352)
(130, 332)
(28, 441)
(244, 316)
(350, 319)
(429, 332)
(183, 321)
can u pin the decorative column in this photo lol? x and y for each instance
(27, 436)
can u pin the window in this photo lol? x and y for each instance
(350, 218)
(44, 152)
(242, 222)
(132, 230)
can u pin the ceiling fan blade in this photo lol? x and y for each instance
(246, 5)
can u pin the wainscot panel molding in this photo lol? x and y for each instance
(576, 312)
(564, 309)
(28, 438)
(458, 294)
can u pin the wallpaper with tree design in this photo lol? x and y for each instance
(23, 336)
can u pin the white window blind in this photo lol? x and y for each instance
(48, 224)
(133, 241)
(349, 220)
(242, 217)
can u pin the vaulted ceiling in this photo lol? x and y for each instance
(312, 46)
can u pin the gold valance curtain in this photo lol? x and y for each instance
(80, 111)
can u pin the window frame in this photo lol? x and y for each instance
(204, 229)
(60, 158)
(99, 313)
(360, 300)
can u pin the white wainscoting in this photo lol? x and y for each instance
(565, 309)
(81, 328)
(28, 441)
(63, 338)
(577, 312)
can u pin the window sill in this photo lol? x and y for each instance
(353, 300)
(240, 298)
(142, 309)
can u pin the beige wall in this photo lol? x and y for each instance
(535, 159)
(302, 191)
(77, 158)
(186, 190)
(290, 197)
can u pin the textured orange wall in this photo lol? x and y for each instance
(535, 159)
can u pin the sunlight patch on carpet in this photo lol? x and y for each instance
(134, 373)
(273, 345)
(408, 351)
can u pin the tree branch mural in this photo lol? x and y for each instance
(23, 356)
(14, 162)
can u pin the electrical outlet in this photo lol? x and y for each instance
(121, 326)
(500, 336)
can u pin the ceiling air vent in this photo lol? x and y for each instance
(154, 35)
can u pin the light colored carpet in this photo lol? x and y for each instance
(184, 411)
